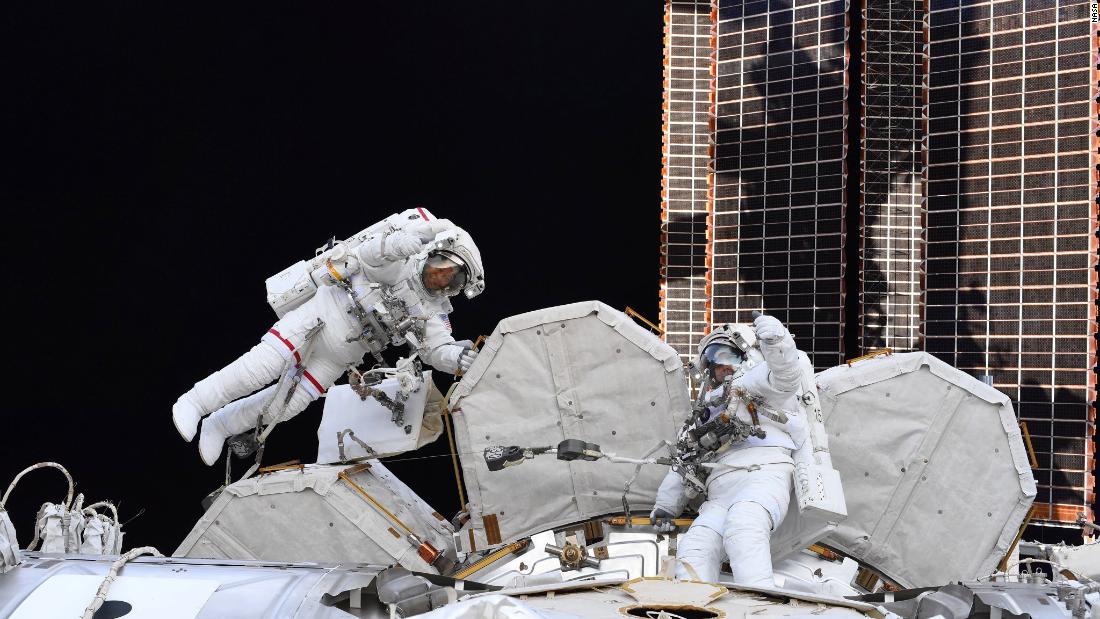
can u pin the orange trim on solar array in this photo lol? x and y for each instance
(1062, 513)
(708, 305)
(686, 124)
(665, 61)
(1094, 249)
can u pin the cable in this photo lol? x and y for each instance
(40, 465)
(101, 594)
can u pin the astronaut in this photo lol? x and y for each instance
(388, 285)
(748, 488)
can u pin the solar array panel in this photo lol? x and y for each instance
(779, 168)
(1011, 286)
(892, 173)
(977, 215)
(684, 201)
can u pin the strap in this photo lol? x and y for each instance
(332, 271)
(690, 570)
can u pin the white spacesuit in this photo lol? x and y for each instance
(388, 285)
(749, 486)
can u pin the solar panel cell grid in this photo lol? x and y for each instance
(779, 148)
(977, 161)
(999, 113)
(684, 201)
(890, 196)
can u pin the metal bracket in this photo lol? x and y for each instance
(351, 434)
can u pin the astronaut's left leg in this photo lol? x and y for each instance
(701, 547)
(758, 505)
(243, 415)
(281, 347)
(699, 554)
(251, 371)
(747, 542)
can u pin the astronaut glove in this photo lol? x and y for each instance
(421, 229)
(661, 519)
(467, 359)
(769, 329)
(402, 245)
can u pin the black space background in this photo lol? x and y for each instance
(163, 160)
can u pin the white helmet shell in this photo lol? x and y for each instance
(739, 336)
(459, 248)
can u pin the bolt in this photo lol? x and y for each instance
(618, 350)
(866, 474)
(903, 469)
(612, 433)
(570, 402)
(330, 524)
(653, 404)
(498, 375)
(538, 332)
(939, 511)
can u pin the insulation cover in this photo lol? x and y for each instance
(582, 371)
(9, 546)
(936, 475)
(311, 514)
(372, 422)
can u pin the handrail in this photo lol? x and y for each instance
(633, 313)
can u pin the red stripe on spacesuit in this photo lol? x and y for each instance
(285, 341)
(422, 213)
(313, 380)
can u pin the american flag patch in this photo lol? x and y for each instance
(446, 322)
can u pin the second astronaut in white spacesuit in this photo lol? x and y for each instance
(749, 488)
(320, 339)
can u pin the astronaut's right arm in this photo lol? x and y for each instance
(371, 258)
(379, 251)
(671, 497)
(395, 245)
(336, 264)
(779, 350)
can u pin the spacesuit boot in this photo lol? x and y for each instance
(186, 415)
(232, 419)
(251, 371)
